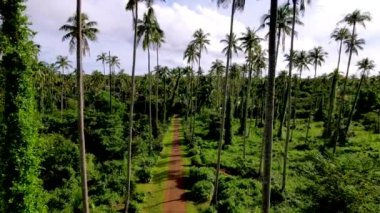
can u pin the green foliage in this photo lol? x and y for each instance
(201, 173)
(202, 191)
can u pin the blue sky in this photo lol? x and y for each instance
(180, 18)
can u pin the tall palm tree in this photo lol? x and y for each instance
(269, 105)
(103, 58)
(297, 5)
(218, 68)
(236, 5)
(62, 63)
(200, 41)
(284, 25)
(365, 65)
(113, 62)
(146, 28)
(250, 42)
(353, 45)
(339, 35)
(158, 38)
(81, 30)
(234, 45)
(89, 32)
(317, 56)
(163, 74)
(302, 62)
(352, 19)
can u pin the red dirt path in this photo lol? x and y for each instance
(174, 194)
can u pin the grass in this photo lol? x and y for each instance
(155, 190)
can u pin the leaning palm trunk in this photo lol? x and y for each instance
(269, 111)
(353, 107)
(223, 117)
(338, 131)
(82, 142)
(288, 105)
(129, 174)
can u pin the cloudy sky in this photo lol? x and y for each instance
(180, 18)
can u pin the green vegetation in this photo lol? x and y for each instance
(71, 141)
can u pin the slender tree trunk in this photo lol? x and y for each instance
(110, 79)
(104, 68)
(157, 86)
(130, 136)
(245, 110)
(353, 107)
(225, 91)
(288, 106)
(62, 91)
(269, 112)
(338, 131)
(83, 166)
(150, 104)
(164, 99)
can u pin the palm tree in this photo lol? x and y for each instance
(339, 35)
(146, 30)
(365, 65)
(236, 5)
(112, 61)
(269, 112)
(353, 45)
(284, 25)
(81, 30)
(163, 74)
(218, 68)
(298, 5)
(302, 61)
(352, 19)
(250, 42)
(103, 58)
(200, 41)
(62, 63)
(317, 56)
(89, 32)
(157, 39)
(234, 45)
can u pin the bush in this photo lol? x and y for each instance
(370, 122)
(202, 173)
(202, 191)
(196, 160)
(144, 175)
(194, 151)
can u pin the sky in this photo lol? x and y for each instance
(180, 18)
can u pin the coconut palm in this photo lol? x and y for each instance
(234, 45)
(236, 5)
(317, 56)
(158, 38)
(284, 25)
(62, 63)
(103, 58)
(269, 106)
(302, 61)
(339, 35)
(146, 29)
(89, 32)
(217, 67)
(353, 45)
(200, 40)
(365, 66)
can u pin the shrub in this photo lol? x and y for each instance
(144, 175)
(202, 191)
(202, 173)
(196, 160)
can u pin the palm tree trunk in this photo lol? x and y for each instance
(129, 173)
(156, 81)
(332, 99)
(62, 90)
(337, 133)
(110, 79)
(150, 103)
(245, 110)
(353, 107)
(269, 112)
(104, 68)
(83, 165)
(164, 99)
(288, 106)
(225, 91)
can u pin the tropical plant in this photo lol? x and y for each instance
(234, 45)
(103, 58)
(63, 63)
(89, 32)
